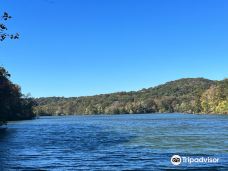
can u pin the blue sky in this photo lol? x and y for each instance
(86, 47)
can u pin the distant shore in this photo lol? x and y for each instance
(187, 95)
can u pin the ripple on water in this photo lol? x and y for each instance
(119, 142)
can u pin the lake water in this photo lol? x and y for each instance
(117, 142)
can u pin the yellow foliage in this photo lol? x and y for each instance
(222, 107)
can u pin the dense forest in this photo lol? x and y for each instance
(13, 104)
(189, 95)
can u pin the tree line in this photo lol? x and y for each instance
(189, 95)
(13, 104)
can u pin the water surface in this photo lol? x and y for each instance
(117, 142)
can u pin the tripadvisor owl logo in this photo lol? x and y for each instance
(176, 160)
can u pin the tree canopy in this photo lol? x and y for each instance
(189, 95)
(13, 104)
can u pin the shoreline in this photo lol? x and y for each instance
(131, 114)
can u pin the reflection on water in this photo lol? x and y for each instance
(120, 142)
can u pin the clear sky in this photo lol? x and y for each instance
(86, 47)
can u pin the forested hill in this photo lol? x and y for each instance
(188, 95)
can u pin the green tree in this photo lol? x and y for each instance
(210, 99)
(13, 105)
(215, 99)
(189, 95)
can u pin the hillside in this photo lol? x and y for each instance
(188, 95)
